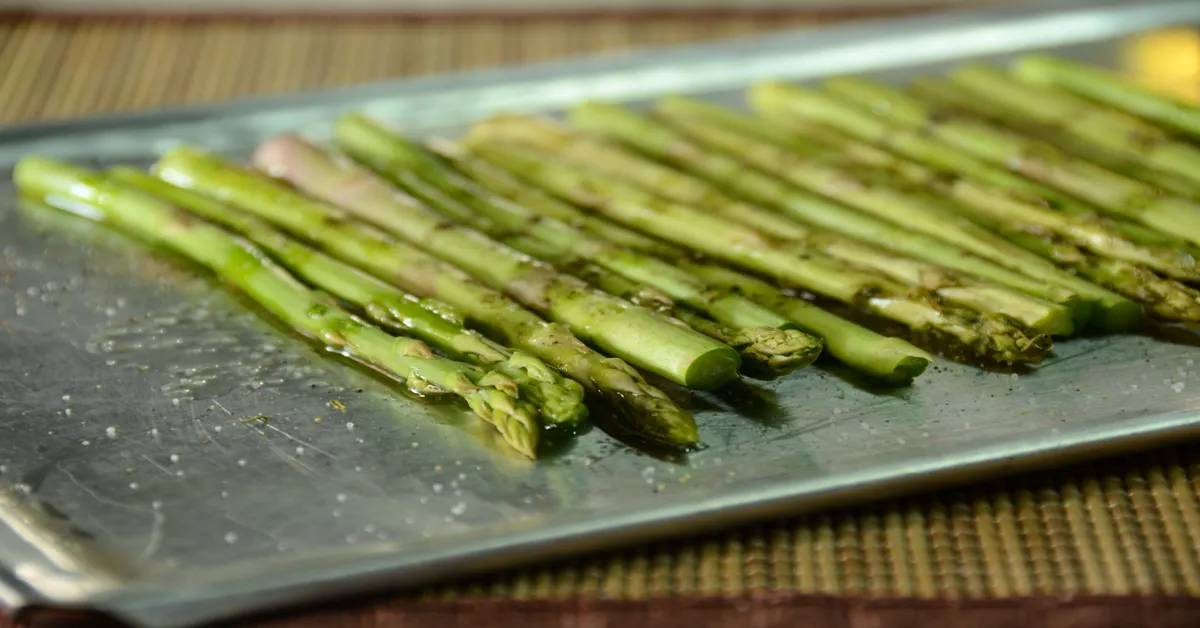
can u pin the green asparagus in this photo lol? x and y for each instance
(93, 196)
(620, 328)
(1108, 88)
(968, 196)
(945, 94)
(1105, 129)
(887, 359)
(316, 172)
(641, 409)
(500, 182)
(805, 111)
(887, 201)
(684, 189)
(988, 338)
(778, 125)
(1036, 160)
(559, 401)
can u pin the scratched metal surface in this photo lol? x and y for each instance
(132, 481)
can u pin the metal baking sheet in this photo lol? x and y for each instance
(132, 482)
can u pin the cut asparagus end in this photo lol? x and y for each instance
(770, 352)
(1116, 315)
(713, 369)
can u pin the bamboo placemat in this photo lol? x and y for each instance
(1126, 526)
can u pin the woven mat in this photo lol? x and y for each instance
(1126, 526)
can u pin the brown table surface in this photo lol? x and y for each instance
(1128, 526)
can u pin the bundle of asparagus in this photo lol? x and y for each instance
(535, 261)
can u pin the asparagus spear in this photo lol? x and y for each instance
(1167, 298)
(988, 338)
(91, 195)
(1109, 130)
(314, 171)
(945, 94)
(627, 331)
(1041, 162)
(760, 332)
(500, 182)
(802, 110)
(968, 196)
(641, 409)
(767, 352)
(883, 203)
(887, 359)
(793, 124)
(1108, 88)
(559, 401)
(1052, 236)
(685, 189)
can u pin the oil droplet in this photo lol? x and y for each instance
(66, 397)
(459, 508)
(175, 401)
(179, 474)
(86, 443)
(299, 451)
(350, 425)
(111, 432)
(337, 512)
(350, 538)
(437, 487)
(174, 458)
(133, 485)
(368, 528)
(67, 412)
(231, 537)
(415, 444)
(242, 463)
(341, 497)
(156, 504)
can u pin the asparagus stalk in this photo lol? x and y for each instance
(988, 338)
(883, 203)
(792, 128)
(802, 110)
(559, 401)
(968, 196)
(767, 351)
(887, 359)
(685, 189)
(1054, 237)
(91, 195)
(1041, 162)
(1110, 89)
(944, 94)
(623, 329)
(641, 409)
(500, 182)
(390, 154)
(760, 332)
(633, 333)
(1108, 130)
(1164, 297)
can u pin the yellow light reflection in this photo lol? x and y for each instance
(1167, 61)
